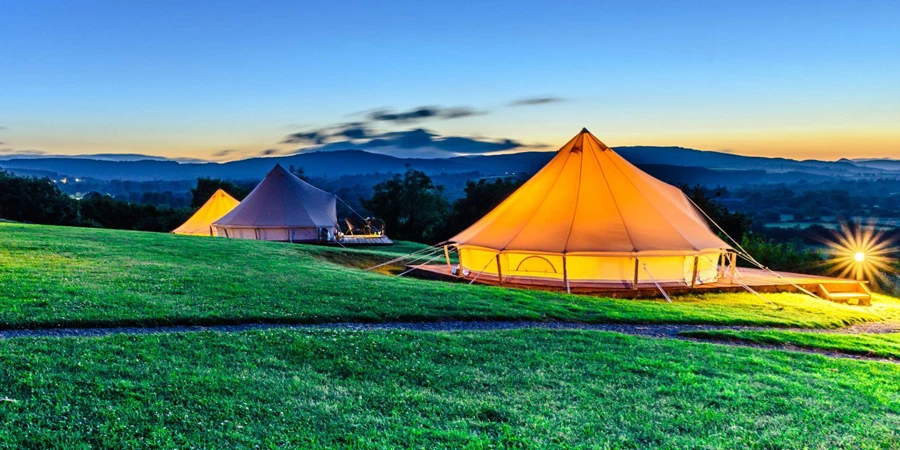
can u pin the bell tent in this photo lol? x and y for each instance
(590, 216)
(282, 207)
(200, 224)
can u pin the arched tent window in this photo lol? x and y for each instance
(536, 264)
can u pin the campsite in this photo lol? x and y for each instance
(331, 353)
(253, 322)
(435, 225)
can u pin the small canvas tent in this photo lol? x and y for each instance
(282, 207)
(591, 216)
(200, 224)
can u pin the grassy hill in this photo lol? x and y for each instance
(75, 277)
(324, 388)
(520, 389)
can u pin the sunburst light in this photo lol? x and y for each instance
(861, 251)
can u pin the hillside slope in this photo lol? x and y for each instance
(57, 276)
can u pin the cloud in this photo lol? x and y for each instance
(308, 137)
(532, 101)
(353, 130)
(224, 153)
(422, 143)
(8, 152)
(422, 113)
(274, 151)
(349, 130)
(363, 134)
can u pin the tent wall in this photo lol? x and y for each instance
(200, 223)
(276, 234)
(591, 268)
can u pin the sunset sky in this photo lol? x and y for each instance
(228, 80)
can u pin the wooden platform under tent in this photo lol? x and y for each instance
(348, 240)
(835, 289)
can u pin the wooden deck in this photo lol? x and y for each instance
(835, 289)
(350, 240)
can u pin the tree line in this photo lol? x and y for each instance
(412, 206)
(40, 201)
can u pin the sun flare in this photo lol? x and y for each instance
(860, 251)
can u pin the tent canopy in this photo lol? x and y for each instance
(591, 215)
(282, 202)
(588, 199)
(219, 204)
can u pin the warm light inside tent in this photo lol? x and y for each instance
(859, 256)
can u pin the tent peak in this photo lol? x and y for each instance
(585, 130)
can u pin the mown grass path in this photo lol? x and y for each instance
(718, 334)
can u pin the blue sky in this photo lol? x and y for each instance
(189, 79)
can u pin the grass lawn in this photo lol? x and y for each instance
(524, 388)
(882, 345)
(57, 276)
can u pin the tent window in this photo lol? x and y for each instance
(536, 264)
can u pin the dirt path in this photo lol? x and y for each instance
(663, 331)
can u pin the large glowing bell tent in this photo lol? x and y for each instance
(591, 216)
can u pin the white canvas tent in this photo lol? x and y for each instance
(591, 216)
(282, 207)
(200, 224)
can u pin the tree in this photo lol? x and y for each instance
(298, 171)
(481, 197)
(206, 187)
(736, 224)
(35, 200)
(103, 211)
(792, 256)
(411, 206)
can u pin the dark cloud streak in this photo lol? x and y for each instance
(533, 101)
(422, 113)
(15, 152)
(224, 153)
(273, 151)
(418, 142)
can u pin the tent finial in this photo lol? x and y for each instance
(585, 130)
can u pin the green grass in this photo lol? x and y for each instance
(879, 345)
(525, 388)
(57, 276)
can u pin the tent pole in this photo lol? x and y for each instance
(636, 269)
(499, 271)
(447, 257)
(566, 275)
(459, 260)
(733, 265)
(696, 267)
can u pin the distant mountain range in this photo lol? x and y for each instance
(688, 165)
(886, 164)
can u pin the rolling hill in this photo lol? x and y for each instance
(703, 164)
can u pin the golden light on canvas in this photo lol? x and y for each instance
(861, 252)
